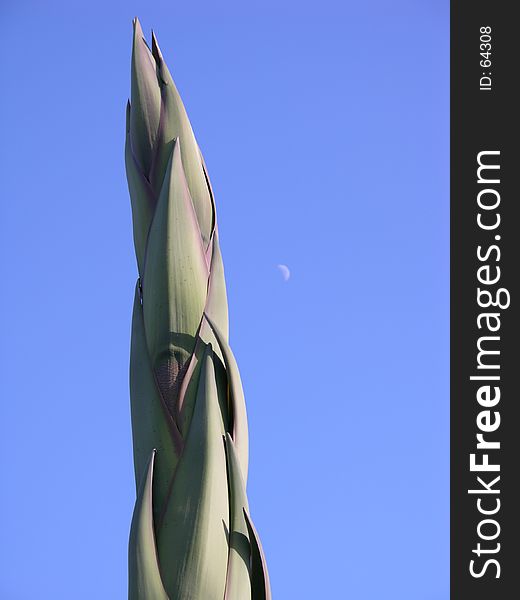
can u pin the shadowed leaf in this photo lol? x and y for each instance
(260, 586)
(237, 401)
(144, 576)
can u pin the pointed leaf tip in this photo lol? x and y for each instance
(236, 398)
(128, 117)
(156, 51)
(137, 27)
(260, 584)
(152, 426)
(144, 574)
(146, 100)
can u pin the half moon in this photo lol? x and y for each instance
(284, 270)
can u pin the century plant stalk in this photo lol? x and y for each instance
(191, 536)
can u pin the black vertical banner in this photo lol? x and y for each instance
(485, 299)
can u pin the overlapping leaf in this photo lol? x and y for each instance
(192, 533)
(175, 279)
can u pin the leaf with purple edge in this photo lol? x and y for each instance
(260, 585)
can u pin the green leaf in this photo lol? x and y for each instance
(152, 425)
(175, 281)
(237, 401)
(145, 99)
(192, 535)
(260, 586)
(216, 304)
(175, 124)
(144, 581)
(142, 199)
(238, 585)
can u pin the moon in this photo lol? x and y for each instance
(284, 270)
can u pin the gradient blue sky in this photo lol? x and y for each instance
(324, 126)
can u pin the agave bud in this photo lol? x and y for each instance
(191, 535)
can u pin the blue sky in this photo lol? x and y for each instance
(324, 126)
